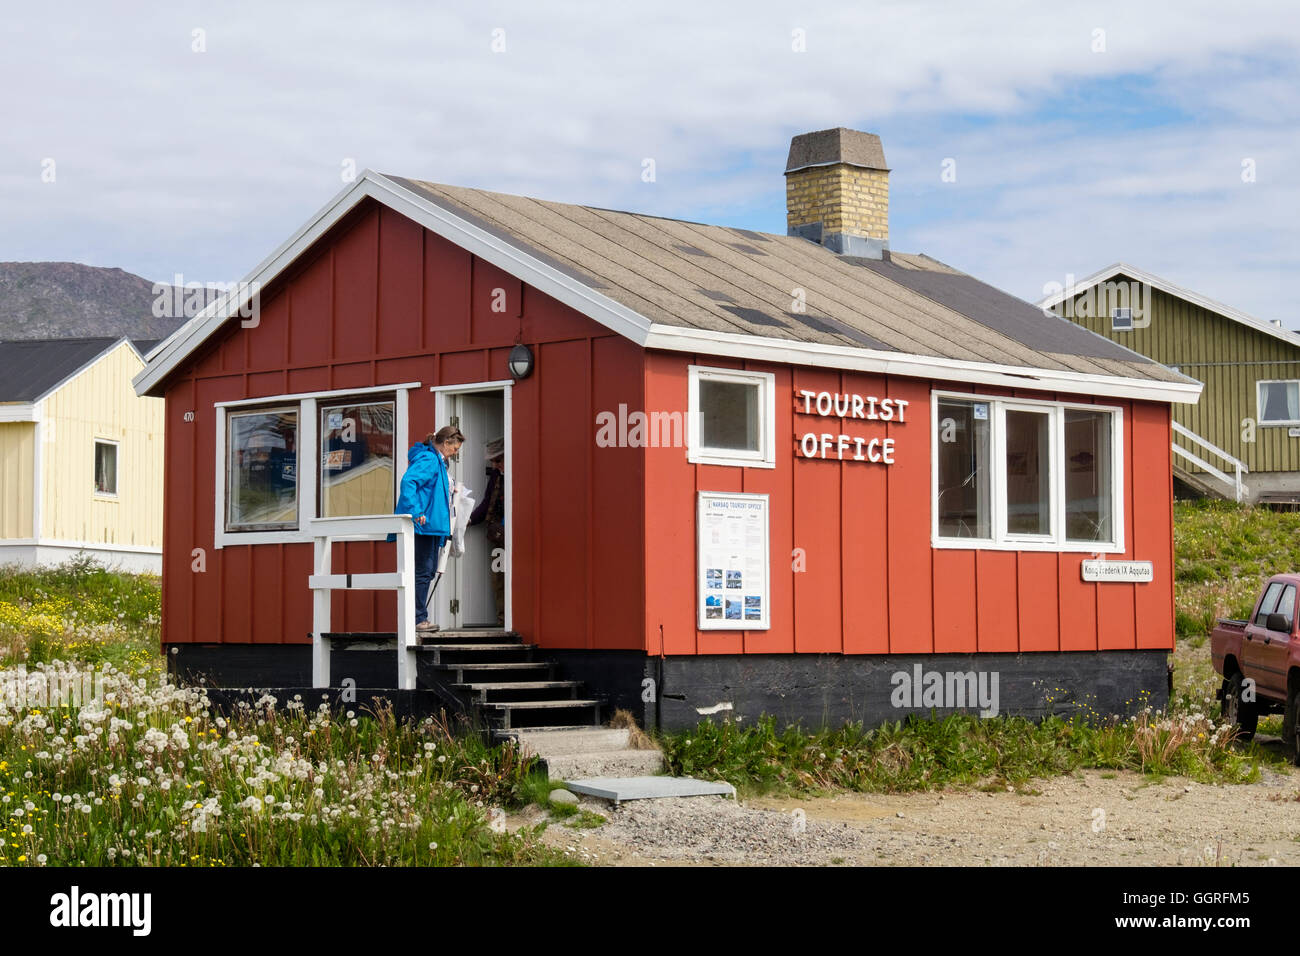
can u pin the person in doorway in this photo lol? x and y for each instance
(491, 513)
(426, 495)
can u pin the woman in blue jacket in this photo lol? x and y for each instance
(426, 496)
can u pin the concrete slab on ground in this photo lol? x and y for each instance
(619, 789)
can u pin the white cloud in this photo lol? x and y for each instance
(171, 160)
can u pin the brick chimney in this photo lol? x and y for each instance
(837, 191)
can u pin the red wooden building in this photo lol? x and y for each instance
(747, 472)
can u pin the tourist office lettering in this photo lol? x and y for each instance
(849, 447)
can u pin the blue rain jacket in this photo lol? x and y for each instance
(426, 490)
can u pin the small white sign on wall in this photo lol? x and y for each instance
(1293, 432)
(1125, 572)
(732, 562)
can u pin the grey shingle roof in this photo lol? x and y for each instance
(720, 279)
(31, 367)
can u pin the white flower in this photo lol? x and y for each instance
(433, 846)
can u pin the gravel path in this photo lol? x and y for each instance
(1089, 818)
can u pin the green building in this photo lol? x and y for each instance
(1242, 439)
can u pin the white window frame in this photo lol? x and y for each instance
(1259, 403)
(307, 406)
(765, 455)
(1121, 328)
(117, 468)
(1002, 540)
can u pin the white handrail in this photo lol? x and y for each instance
(322, 582)
(1239, 466)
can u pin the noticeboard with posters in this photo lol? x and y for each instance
(733, 562)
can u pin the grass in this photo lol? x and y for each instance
(958, 750)
(155, 776)
(150, 774)
(80, 612)
(1223, 553)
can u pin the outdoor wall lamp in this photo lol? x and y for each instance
(520, 361)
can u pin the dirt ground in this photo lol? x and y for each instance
(1089, 818)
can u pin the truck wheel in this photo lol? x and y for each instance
(1241, 714)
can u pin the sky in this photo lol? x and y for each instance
(191, 138)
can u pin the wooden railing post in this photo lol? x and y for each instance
(325, 532)
(406, 598)
(320, 614)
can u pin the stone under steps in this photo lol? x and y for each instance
(574, 753)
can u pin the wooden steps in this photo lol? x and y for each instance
(489, 673)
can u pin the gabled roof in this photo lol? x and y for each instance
(31, 369)
(671, 284)
(1164, 285)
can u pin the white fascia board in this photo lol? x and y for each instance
(935, 368)
(19, 412)
(194, 332)
(1164, 285)
(572, 292)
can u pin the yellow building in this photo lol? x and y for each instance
(81, 456)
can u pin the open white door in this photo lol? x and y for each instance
(466, 597)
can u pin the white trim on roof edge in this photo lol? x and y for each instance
(626, 322)
(881, 362)
(1164, 285)
(433, 217)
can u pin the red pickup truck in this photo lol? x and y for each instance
(1260, 662)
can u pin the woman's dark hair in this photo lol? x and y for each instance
(445, 434)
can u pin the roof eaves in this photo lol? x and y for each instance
(1170, 288)
(436, 218)
(785, 351)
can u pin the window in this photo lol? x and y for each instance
(1279, 403)
(287, 460)
(1286, 605)
(1089, 475)
(1017, 474)
(1028, 472)
(106, 468)
(963, 495)
(1121, 320)
(356, 472)
(262, 470)
(731, 418)
(1268, 603)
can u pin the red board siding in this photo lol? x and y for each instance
(1153, 525)
(604, 537)
(872, 582)
(379, 301)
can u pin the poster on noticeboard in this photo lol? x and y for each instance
(733, 562)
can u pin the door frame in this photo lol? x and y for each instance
(441, 394)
